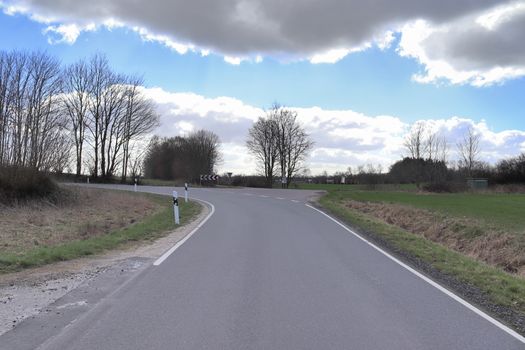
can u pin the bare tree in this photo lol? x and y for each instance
(100, 73)
(77, 86)
(140, 118)
(113, 124)
(31, 125)
(135, 160)
(262, 144)
(431, 144)
(414, 142)
(45, 112)
(442, 149)
(468, 150)
(293, 143)
(6, 75)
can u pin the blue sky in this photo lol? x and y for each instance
(373, 81)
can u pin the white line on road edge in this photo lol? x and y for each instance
(429, 281)
(295, 201)
(181, 242)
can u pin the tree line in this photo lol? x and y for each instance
(82, 113)
(427, 164)
(183, 157)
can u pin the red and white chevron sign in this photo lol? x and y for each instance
(209, 177)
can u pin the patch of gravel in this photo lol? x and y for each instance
(20, 300)
(467, 291)
(27, 293)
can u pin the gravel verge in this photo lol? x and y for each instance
(28, 293)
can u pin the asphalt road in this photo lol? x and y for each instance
(268, 272)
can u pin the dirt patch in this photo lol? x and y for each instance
(26, 293)
(495, 247)
(87, 213)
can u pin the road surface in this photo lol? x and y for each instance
(266, 271)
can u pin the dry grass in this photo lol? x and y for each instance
(86, 213)
(468, 236)
(511, 188)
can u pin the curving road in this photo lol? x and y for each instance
(266, 271)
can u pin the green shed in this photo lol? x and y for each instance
(478, 184)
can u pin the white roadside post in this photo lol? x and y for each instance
(88, 180)
(176, 207)
(135, 186)
(186, 192)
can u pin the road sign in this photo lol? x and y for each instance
(209, 177)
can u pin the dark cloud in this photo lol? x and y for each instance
(244, 27)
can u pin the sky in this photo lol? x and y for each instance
(359, 74)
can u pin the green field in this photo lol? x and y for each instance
(156, 182)
(506, 211)
(350, 187)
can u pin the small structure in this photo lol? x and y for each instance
(477, 184)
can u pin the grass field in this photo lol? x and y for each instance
(504, 210)
(71, 244)
(352, 187)
(156, 182)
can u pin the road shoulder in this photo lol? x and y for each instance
(30, 293)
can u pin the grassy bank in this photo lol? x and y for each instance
(479, 211)
(156, 223)
(504, 210)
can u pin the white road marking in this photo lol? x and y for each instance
(181, 242)
(295, 201)
(429, 281)
(247, 194)
(279, 198)
(263, 196)
(78, 303)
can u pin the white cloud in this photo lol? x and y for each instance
(66, 33)
(385, 42)
(460, 41)
(480, 49)
(233, 60)
(330, 56)
(342, 137)
(163, 39)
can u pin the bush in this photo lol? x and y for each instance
(445, 187)
(417, 170)
(511, 170)
(247, 181)
(18, 184)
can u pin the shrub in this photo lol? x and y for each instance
(442, 187)
(18, 184)
(247, 181)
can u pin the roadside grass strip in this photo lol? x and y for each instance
(152, 227)
(500, 288)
